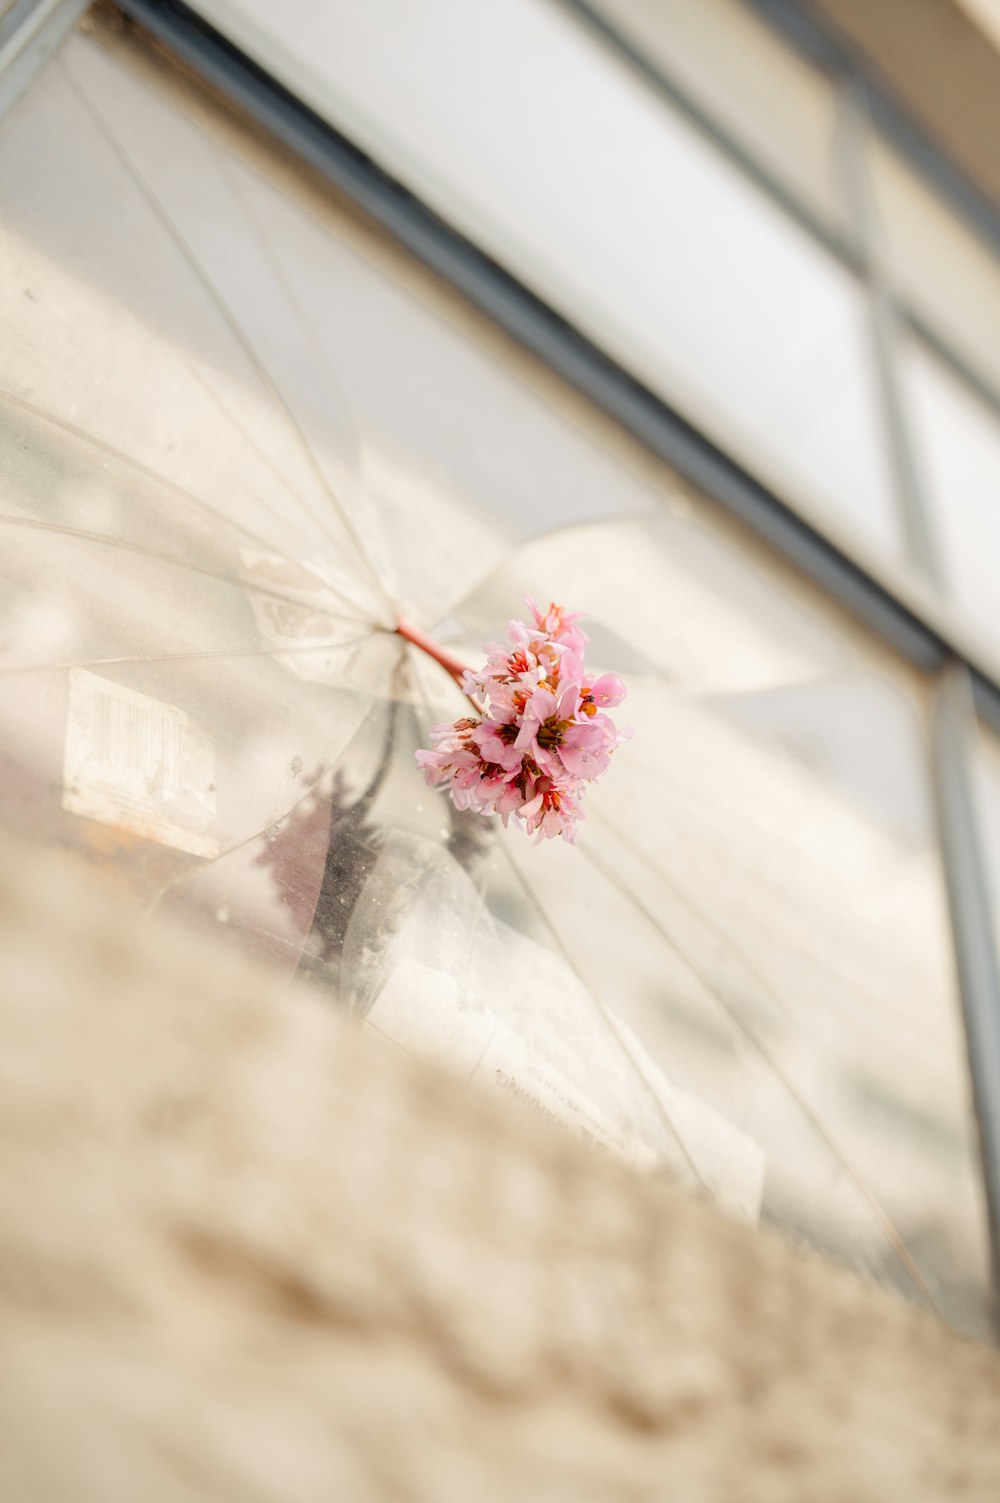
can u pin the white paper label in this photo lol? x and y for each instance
(420, 1009)
(426, 1011)
(139, 764)
(512, 1069)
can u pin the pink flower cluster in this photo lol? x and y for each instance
(539, 736)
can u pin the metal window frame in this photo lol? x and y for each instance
(958, 682)
(864, 105)
(883, 321)
(970, 905)
(924, 641)
(30, 32)
(854, 243)
(817, 42)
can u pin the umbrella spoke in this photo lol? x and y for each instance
(180, 241)
(129, 462)
(563, 530)
(314, 785)
(222, 654)
(703, 805)
(618, 1042)
(37, 524)
(135, 465)
(894, 1237)
(306, 329)
(265, 459)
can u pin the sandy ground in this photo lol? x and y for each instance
(247, 1254)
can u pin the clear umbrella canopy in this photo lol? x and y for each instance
(243, 437)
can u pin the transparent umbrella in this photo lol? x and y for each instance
(243, 439)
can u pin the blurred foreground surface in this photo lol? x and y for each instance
(247, 1254)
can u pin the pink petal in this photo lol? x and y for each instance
(608, 691)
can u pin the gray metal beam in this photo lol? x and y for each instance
(914, 513)
(804, 35)
(818, 40)
(972, 918)
(835, 237)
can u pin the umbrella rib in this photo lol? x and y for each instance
(319, 352)
(37, 524)
(710, 923)
(537, 537)
(894, 1237)
(237, 845)
(246, 840)
(692, 798)
(236, 328)
(363, 803)
(355, 814)
(619, 1042)
(420, 689)
(306, 329)
(699, 804)
(217, 400)
(178, 490)
(265, 459)
(222, 653)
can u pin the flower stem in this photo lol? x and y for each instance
(426, 644)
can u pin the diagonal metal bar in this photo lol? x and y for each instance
(30, 33)
(911, 500)
(969, 900)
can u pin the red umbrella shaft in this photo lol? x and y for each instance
(426, 644)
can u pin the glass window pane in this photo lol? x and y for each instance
(242, 433)
(732, 64)
(524, 130)
(957, 437)
(938, 261)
